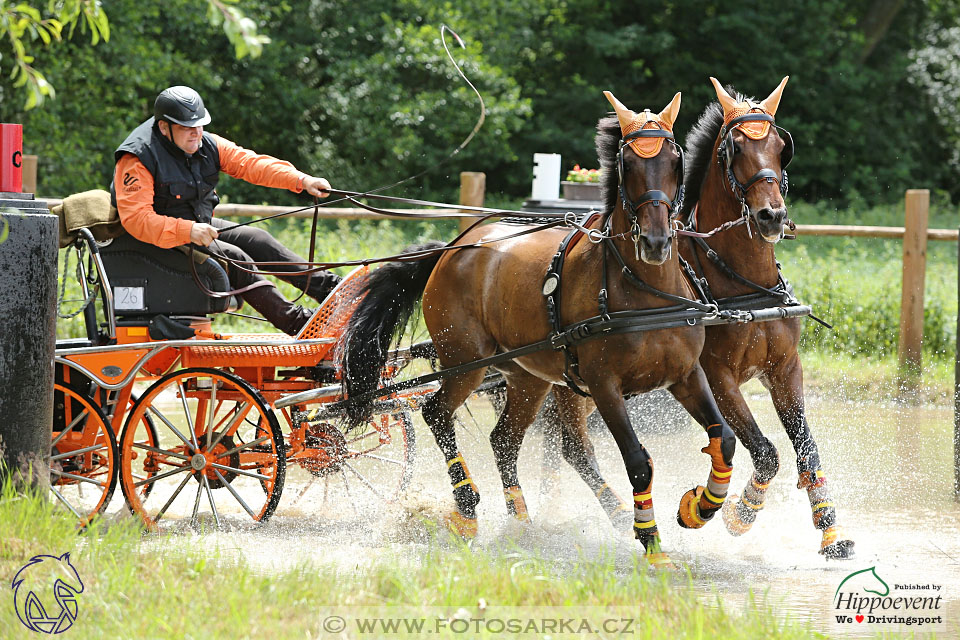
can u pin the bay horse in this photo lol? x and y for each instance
(737, 160)
(482, 300)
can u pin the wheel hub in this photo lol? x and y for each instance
(326, 449)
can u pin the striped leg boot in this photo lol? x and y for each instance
(619, 512)
(463, 521)
(835, 543)
(516, 505)
(645, 529)
(699, 505)
(739, 512)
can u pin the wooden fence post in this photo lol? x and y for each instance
(473, 186)
(914, 272)
(29, 174)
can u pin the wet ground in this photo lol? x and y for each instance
(889, 466)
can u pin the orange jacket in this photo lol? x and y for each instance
(134, 187)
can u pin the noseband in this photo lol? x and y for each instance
(652, 196)
(725, 154)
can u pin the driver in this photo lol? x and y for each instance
(164, 189)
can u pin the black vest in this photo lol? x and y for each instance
(184, 187)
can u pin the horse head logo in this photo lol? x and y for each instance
(45, 593)
(867, 581)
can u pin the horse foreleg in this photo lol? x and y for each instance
(740, 512)
(786, 390)
(700, 504)
(609, 400)
(525, 394)
(572, 411)
(438, 414)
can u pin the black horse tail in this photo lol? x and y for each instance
(392, 292)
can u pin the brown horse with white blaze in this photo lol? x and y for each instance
(480, 300)
(737, 156)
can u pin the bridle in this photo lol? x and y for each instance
(651, 196)
(725, 157)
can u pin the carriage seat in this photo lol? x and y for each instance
(148, 281)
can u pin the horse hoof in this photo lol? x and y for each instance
(688, 515)
(462, 526)
(735, 526)
(655, 556)
(835, 544)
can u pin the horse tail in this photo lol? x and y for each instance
(392, 292)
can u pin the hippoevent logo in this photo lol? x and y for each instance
(863, 597)
(45, 594)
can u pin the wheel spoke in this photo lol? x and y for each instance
(241, 414)
(69, 427)
(242, 472)
(346, 486)
(212, 410)
(361, 436)
(78, 452)
(235, 494)
(164, 452)
(366, 482)
(169, 424)
(64, 501)
(361, 454)
(76, 477)
(243, 446)
(196, 503)
(161, 476)
(173, 497)
(186, 412)
(213, 506)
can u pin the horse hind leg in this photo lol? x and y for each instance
(577, 450)
(786, 390)
(525, 395)
(438, 414)
(700, 504)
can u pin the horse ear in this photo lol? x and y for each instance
(726, 100)
(669, 113)
(624, 115)
(773, 100)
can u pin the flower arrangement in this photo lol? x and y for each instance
(583, 175)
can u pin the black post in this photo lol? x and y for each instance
(28, 262)
(956, 399)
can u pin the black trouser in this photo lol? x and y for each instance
(256, 245)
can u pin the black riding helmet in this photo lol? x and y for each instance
(181, 105)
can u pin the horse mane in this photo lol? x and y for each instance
(608, 145)
(699, 152)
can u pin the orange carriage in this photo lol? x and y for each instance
(225, 417)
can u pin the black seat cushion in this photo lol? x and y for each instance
(147, 280)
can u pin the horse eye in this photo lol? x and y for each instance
(736, 148)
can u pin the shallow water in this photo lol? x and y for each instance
(889, 466)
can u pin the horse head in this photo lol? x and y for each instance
(647, 170)
(754, 152)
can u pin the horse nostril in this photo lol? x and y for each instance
(765, 215)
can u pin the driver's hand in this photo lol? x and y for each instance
(316, 186)
(203, 234)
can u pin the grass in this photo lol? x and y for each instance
(138, 586)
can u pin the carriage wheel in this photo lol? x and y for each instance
(217, 451)
(83, 455)
(361, 468)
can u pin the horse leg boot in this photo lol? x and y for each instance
(525, 394)
(609, 400)
(786, 390)
(700, 504)
(740, 511)
(578, 451)
(438, 414)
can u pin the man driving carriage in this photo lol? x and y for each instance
(164, 189)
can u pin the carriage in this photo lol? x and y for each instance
(193, 424)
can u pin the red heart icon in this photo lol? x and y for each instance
(859, 618)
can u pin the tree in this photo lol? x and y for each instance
(22, 25)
